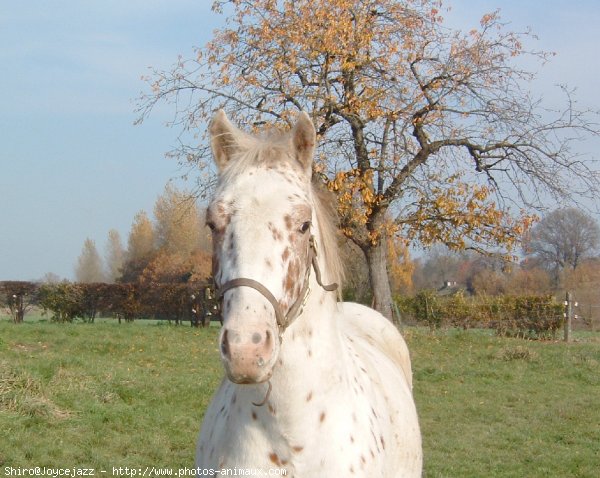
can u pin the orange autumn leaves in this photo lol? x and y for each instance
(356, 198)
(463, 216)
(458, 214)
(334, 53)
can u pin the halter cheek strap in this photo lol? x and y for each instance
(284, 321)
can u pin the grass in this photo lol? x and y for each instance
(492, 406)
(103, 395)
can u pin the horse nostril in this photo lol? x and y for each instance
(256, 338)
(225, 344)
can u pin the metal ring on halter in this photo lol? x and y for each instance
(283, 321)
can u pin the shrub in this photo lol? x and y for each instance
(516, 316)
(64, 300)
(535, 317)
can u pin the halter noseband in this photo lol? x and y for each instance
(283, 321)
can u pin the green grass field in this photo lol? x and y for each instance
(106, 395)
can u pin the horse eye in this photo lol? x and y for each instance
(211, 225)
(305, 226)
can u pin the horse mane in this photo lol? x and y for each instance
(271, 150)
(327, 218)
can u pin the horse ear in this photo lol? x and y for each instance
(304, 139)
(222, 139)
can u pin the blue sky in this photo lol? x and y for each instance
(73, 165)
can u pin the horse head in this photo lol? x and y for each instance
(261, 218)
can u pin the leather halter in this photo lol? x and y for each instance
(283, 321)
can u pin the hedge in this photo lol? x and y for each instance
(66, 301)
(516, 316)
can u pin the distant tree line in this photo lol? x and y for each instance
(163, 272)
(67, 301)
(173, 248)
(167, 260)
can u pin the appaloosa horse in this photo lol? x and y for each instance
(313, 386)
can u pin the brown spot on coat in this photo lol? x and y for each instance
(288, 222)
(277, 235)
(275, 459)
(322, 417)
(291, 280)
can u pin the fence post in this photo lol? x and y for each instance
(568, 316)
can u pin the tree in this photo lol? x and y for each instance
(51, 278)
(140, 243)
(424, 131)
(173, 268)
(489, 282)
(115, 256)
(563, 239)
(178, 228)
(173, 248)
(529, 281)
(89, 265)
(140, 247)
(438, 266)
(18, 297)
(400, 265)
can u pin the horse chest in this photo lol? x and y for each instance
(334, 434)
(329, 441)
(342, 440)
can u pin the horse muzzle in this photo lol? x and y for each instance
(248, 355)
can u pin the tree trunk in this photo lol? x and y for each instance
(20, 310)
(380, 283)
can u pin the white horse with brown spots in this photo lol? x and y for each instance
(313, 386)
